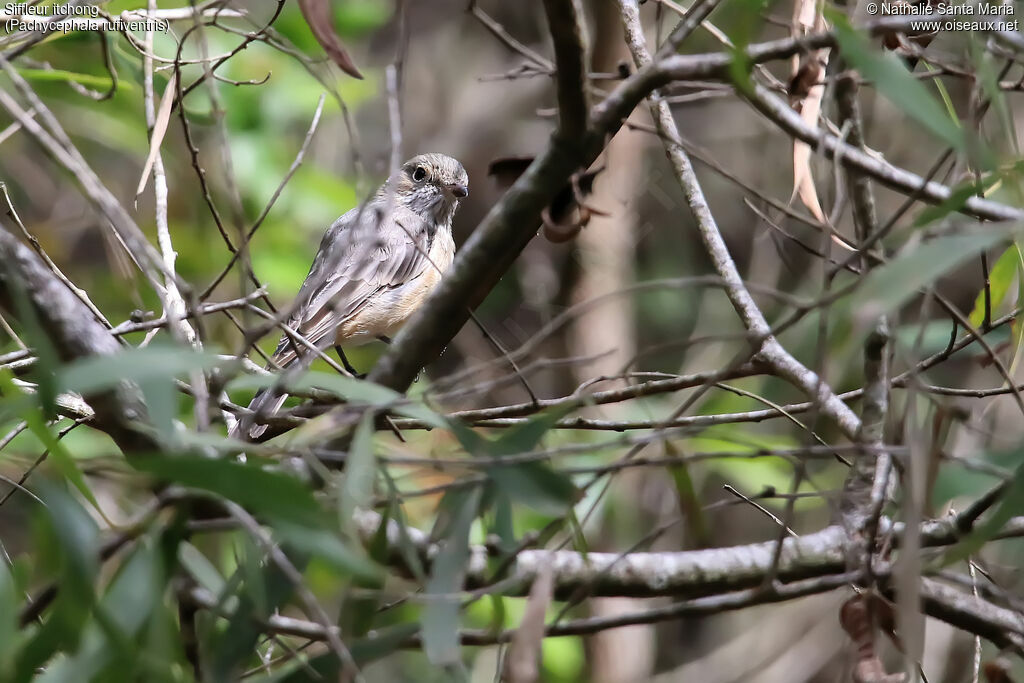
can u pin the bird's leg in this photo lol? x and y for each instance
(348, 366)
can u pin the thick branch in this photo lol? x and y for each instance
(28, 289)
(565, 23)
(691, 573)
(1003, 627)
(867, 484)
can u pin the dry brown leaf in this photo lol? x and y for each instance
(163, 115)
(318, 16)
(806, 14)
(522, 662)
(807, 76)
(806, 17)
(859, 616)
(803, 179)
(568, 212)
(997, 671)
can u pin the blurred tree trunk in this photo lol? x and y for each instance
(606, 245)
(606, 334)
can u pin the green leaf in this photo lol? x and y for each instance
(1012, 504)
(201, 569)
(527, 436)
(536, 485)
(326, 667)
(957, 198)
(47, 358)
(251, 561)
(689, 501)
(532, 483)
(62, 460)
(893, 80)
(504, 526)
(119, 616)
(1017, 329)
(157, 361)
(10, 634)
(277, 496)
(68, 535)
(889, 286)
(161, 397)
(406, 548)
(440, 617)
(88, 80)
(360, 608)
(1000, 278)
(360, 471)
(356, 391)
(229, 648)
(328, 546)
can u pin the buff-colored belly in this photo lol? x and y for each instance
(384, 314)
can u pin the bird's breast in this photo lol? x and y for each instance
(384, 314)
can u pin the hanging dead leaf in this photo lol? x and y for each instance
(803, 179)
(808, 75)
(809, 91)
(568, 212)
(318, 15)
(997, 671)
(859, 616)
(908, 47)
(163, 115)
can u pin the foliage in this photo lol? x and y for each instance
(385, 531)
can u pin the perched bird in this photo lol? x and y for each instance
(375, 266)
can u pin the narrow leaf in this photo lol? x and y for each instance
(277, 496)
(357, 391)
(100, 373)
(318, 16)
(889, 286)
(440, 617)
(163, 115)
(360, 470)
(1000, 278)
(892, 79)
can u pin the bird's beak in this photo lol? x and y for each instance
(457, 190)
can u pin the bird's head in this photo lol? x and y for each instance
(432, 185)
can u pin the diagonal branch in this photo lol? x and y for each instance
(29, 288)
(856, 159)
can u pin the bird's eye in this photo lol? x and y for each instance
(419, 174)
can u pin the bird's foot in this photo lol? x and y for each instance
(348, 366)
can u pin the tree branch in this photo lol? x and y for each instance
(29, 289)
(566, 26)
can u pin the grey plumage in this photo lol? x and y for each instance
(375, 265)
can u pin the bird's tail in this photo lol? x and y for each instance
(264, 404)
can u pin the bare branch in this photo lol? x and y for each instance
(566, 25)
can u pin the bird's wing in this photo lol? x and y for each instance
(360, 255)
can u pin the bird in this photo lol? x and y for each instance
(374, 268)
